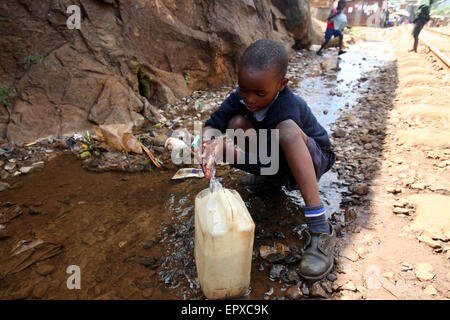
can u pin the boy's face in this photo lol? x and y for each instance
(259, 87)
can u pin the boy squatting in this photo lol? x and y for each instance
(263, 100)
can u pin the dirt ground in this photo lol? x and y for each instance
(399, 245)
(131, 233)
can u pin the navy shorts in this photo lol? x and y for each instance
(322, 161)
(418, 27)
(331, 33)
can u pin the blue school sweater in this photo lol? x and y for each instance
(287, 106)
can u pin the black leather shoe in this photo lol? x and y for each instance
(318, 258)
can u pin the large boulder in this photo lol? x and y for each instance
(126, 54)
(298, 20)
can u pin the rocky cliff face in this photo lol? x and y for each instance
(127, 56)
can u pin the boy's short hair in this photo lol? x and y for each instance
(264, 54)
(341, 4)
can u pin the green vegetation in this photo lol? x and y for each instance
(90, 146)
(144, 81)
(187, 76)
(4, 94)
(29, 60)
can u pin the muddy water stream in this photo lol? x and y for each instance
(133, 234)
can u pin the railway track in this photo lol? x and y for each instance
(442, 56)
(437, 32)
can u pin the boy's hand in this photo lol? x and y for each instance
(213, 150)
(208, 158)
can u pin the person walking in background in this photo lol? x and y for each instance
(422, 16)
(336, 23)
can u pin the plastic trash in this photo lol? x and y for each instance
(188, 173)
(118, 137)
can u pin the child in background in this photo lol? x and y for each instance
(336, 23)
(422, 16)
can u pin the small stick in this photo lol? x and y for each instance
(152, 157)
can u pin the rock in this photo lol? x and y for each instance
(393, 190)
(368, 146)
(34, 211)
(339, 133)
(286, 17)
(4, 174)
(148, 293)
(265, 251)
(110, 295)
(4, 186)
(366, 139)
(89, 239)
(275, 258)
(332, 277)
(150, 262)
(426, 219)
(274, 254)
(277, 271)
(160, 140)
(350, 254)
(26, 170)
(326, 285)
(361, 189)
(429, 242)
(317, 291)
(430, 290)
(423, 271)
(22, 293)
(402, 203)
(10, 167)
(418, 185)
(77, 79)
(292, 276)
(40, 290)
(294, 293)
(398, 210)
(45, 270)
(38, 165)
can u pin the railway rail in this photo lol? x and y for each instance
(445, 59)
(437, 32)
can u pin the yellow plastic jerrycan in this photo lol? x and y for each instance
(224, 232)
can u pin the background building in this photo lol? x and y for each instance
(371, 13)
